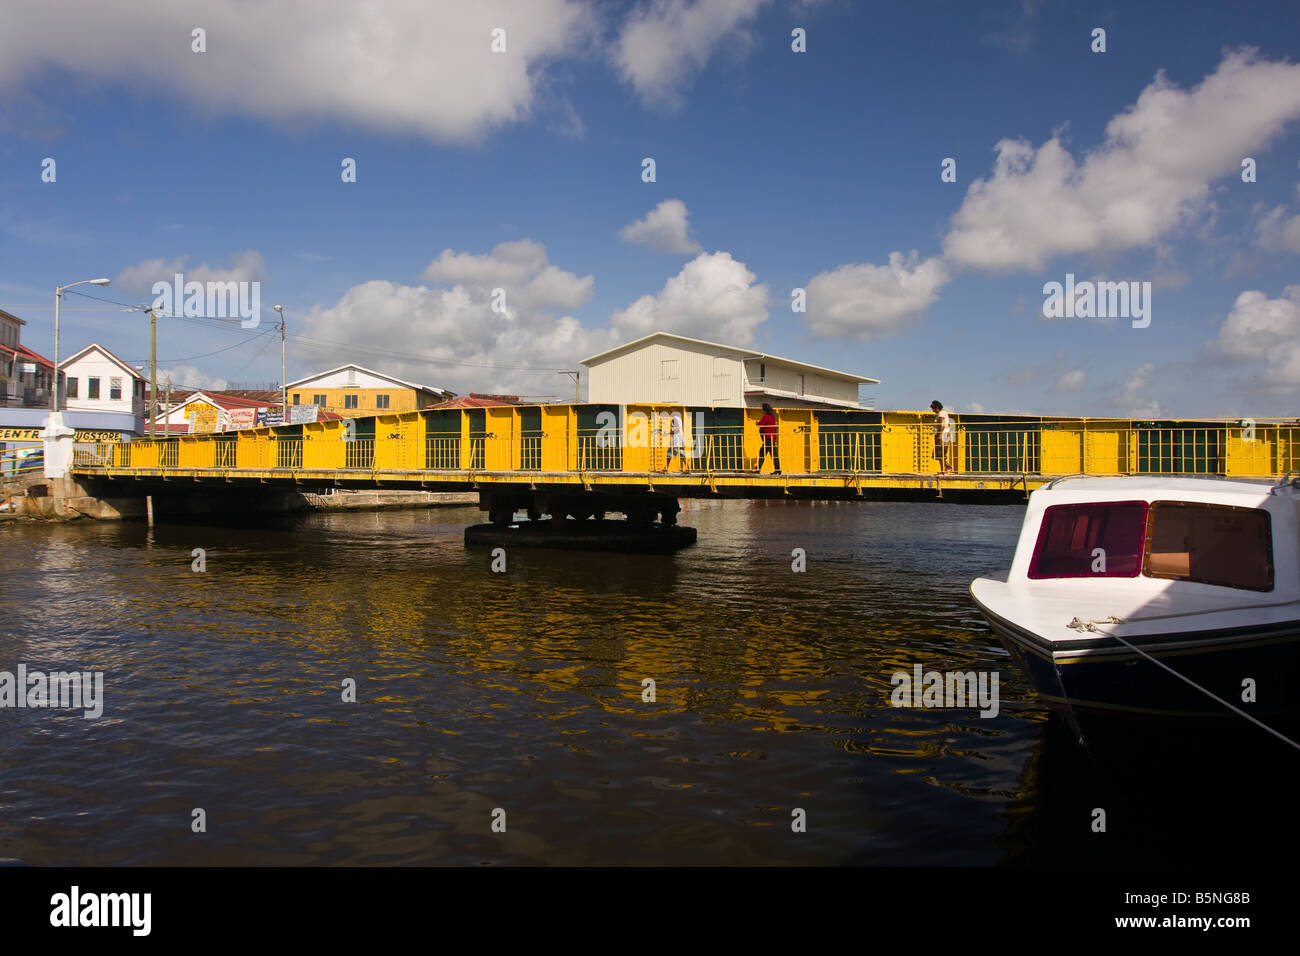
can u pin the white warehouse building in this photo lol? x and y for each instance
(676, 370)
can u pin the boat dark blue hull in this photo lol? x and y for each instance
(1099, 673)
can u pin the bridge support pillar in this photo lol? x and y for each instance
(571, 525)
(58, 439)
(641, 510)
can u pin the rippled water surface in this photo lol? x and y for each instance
(523, 691)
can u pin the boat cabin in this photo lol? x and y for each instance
(1202, 531)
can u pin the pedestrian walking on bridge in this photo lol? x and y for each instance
(767, 429)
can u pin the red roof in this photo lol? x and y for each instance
(230, 401)
(504, 399)
(471, 401)
(27, 353)
(251, 397)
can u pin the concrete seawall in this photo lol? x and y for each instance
(37, 498)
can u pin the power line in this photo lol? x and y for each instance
(189, 358)
(257, 355)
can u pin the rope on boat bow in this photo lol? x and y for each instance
(1079, 625)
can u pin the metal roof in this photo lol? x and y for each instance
(747, 353)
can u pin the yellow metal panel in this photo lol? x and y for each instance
(900, 443)
(559, 452)
(794, 439)
(1105, 449)
(192, 453)
(144, 454)
(254, 449)
(322, 445)
(1061, 451)
(500, 451)
(466, 448)
(1250, 451)
(752, 440)
(389, 443)
(645, 438)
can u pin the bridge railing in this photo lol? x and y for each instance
(359, 453)
(810, 441)
(442, 452)
(92, 454)
(22, 459)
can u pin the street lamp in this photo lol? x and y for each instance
(58, 295)
(284, 387)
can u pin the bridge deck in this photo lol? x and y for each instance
(733, 484)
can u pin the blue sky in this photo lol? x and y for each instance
(522, 170)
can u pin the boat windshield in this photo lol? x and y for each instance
(1212, 544)
(1178, 540)
(1090, 540)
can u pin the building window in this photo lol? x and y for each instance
(115, 389)
(762, 371)
(92, 388)
(296, 397)
(668, 369)
(318, 400)
(70, 387)
(349, 401)
(381, 401)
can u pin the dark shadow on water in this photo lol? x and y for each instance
(1173, 794)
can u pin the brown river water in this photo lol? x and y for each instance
(518, 697)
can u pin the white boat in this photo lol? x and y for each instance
(1155, 596)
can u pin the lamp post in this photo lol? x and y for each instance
(284, 386)
(58, 296)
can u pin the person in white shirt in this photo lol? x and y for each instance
(944, 437)
(676, 441)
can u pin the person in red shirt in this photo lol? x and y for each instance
(767, 429)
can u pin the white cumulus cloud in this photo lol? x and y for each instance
(665, 228)
(246, 266)
(713, 297)
(422, 66)
(521, 269)
(868, 301)
(1278, 232)
(1260, 329)
(1131, 397)
(665, 43)
(451, 337)
(187, 377)
(1151, 175)
(1072, 380)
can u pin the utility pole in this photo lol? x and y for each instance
(284, 383)
(153, 372)
(577, 388)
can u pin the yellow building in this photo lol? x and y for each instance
(355, 392)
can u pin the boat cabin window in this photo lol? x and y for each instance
(1211, 544)
(1090, 541)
